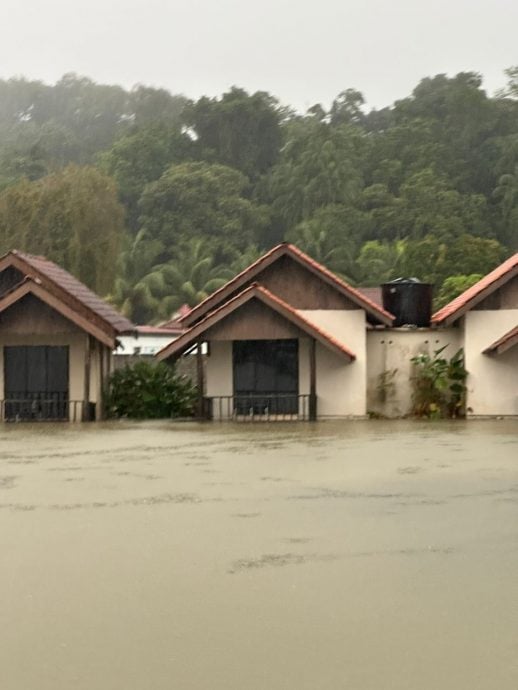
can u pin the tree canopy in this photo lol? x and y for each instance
(154, 200)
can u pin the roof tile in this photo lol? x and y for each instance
(67, 282)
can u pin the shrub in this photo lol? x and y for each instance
(439, 385)
(149, 391)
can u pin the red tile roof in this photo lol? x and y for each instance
(290, 250)
(66, 281)
(504, 343)
(158, 330)
(470, 297)
(190, 336)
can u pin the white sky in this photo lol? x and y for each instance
(302, 51)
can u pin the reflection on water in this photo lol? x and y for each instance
(355, 555)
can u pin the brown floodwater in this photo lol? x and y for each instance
(347, 555)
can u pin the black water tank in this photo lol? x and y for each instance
(409, 300)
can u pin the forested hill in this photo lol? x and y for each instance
(155, 200)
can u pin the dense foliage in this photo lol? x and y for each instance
(427, 187)
(439, 385)
(149, 391)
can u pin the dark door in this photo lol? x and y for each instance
(36, 382)
(266, 376)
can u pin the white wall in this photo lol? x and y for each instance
(218, 372)
(493, 379)
(390, 350)
(341, 386)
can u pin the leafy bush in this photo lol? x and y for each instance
(149, 391)
(439, 385)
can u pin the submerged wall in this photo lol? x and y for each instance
(76, 343)
(389, 351)
(341, 385)
(493, 379)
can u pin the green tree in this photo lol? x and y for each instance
(507, 194)
(454, 286)
(141, 156)
(72, 217)
(188, 278)
(378, 262)
(332, 236)
(320, 165)
(239, 130)
(201, 200)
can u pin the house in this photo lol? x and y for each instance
(56, 342)
(285, 338)
(486, 318)
(143, 343)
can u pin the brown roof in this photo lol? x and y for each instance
(216, 298)
(190, 337)
(476, 293)
(374, 294)
(510, 339)
(35, 287)
(48, 270)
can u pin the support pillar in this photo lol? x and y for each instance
(312, 380)
(86, 388)
(200, 380)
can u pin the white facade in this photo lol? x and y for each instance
(493, 379)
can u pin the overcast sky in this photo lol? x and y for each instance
(302, 51)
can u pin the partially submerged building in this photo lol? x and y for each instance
(286, 338)
(486, 318)
(56, 342)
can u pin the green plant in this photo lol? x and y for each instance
(439, 385)
(149, 391)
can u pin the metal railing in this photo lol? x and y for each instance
(45, 407)
(281, 407)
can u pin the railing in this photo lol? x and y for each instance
(45, 408)
(281, 407)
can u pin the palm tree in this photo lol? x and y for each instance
(132, 293)
(188, 278)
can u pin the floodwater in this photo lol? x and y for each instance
(333, 556)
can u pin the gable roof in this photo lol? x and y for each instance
(507, 341)
(53, 276)
(34, 287)
(216, 298)
(476, 293)
(254, 291)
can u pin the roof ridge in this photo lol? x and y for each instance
(258, 288)
(288, 248)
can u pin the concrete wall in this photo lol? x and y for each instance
(77, 351)
(389, 351)
(341, 386)
(218, 373)
(493, 379)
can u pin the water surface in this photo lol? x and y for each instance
(354, 555)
